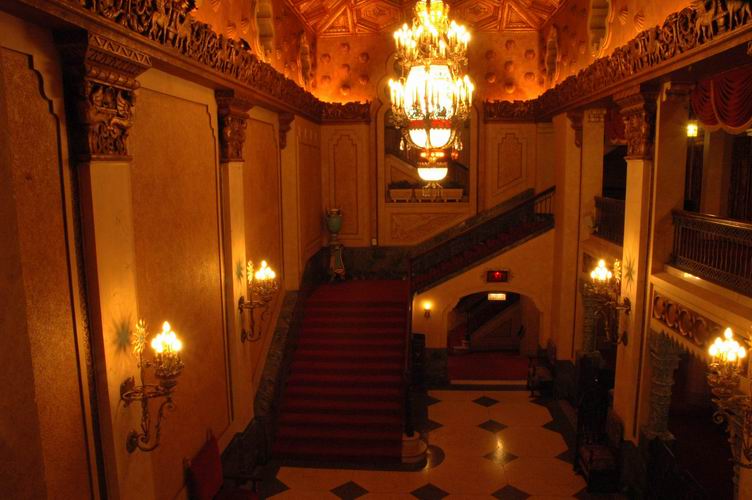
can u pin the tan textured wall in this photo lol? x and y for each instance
(531, 266)
(42, 420)
(310, 189)
(348, 179)
(178, 267)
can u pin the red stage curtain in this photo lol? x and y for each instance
(725, 101)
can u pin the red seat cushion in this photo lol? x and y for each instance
(205, 472)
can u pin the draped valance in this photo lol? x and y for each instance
(725, 101)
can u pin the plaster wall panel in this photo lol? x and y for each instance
(310, 188)
(532, 281)
(39, 353)
(176, 213)
(510, 166)
(348, 179)
(263, 229)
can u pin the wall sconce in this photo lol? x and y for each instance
(692, 128)
(734, 408)
(262, 285)
(427, 306)
(606, 287)
(167, 367)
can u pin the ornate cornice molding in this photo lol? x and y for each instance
(681, 32)
(233, 115)
(638, 108)
(100, 77)
(169, 24)
(285, 124)
(347, 112)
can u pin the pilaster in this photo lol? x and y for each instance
(638, 109)
(100, 84)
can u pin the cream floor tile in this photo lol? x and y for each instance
(532, 441)
(463, 440)
(468, 476)
(304, 479)
(305, 495)
(389, 482)
(543, 476)
(528, 414)
(458, 412)
(456, 395)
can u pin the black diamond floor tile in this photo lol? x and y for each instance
(272, 486)
(430, 400)
(349, 491)
(500, 457)
(429, 492)
(432, 425)
(509, 492)
(492, 426)
(485, 401)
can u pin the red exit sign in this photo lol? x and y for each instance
(497, 276)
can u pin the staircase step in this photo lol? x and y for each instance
(362, 367)
(296, 405)
(356, 311)
(341, 421)
(314, 303)
(332, 434)
(348, 353)
(345, 393)
(349, 342)
(367, 322)
(339, 381)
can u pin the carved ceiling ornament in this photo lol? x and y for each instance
(680, 32)
(638, 109)
(100, 77)
(233, 116)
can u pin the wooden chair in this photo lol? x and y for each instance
(598, 454)
(206, 480)
(541, 371)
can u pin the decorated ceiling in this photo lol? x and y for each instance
(349, 17)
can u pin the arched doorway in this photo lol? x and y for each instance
(490, 336)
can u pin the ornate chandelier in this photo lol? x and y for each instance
(433, 98)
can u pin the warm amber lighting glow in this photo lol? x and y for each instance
(427, 306)
(166, 342)
(601, 273)
(727, 350)
(692, 128)
(497, 296)
(433, 173)
(433, 97)
(265, 273)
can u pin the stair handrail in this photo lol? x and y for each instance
(407, 381)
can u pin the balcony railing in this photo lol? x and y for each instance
(716, 249)
(609, 219)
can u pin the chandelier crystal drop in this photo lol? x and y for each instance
(434, 96)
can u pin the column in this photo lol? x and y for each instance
(664, 360)
(566, 239)
(100, 83)
(232, 114)
(638, 107)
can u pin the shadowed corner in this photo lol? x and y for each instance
(239, 269)
(122, 333)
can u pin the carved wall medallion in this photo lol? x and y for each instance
(683, 321)
(101, 82)
(233, 116)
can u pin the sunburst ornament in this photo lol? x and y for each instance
(629, 271)
(139, 338)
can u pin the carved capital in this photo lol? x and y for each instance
(100, 79)
(285, 124)
(232, 112)
(575, 119)
(637, 109)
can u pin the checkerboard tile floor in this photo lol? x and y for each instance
(495, 444)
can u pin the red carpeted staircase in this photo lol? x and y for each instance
(344, 395)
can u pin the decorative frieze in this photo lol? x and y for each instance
(233, 116)
(347, 112)
(638, 109)
(683, 321)
(100, 79)
(680, 32)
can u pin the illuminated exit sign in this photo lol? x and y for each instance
(497, 276)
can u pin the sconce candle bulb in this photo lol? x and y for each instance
(262, 285)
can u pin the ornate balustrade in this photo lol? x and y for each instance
(716, 249)
(482, 241)
(609, 219)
